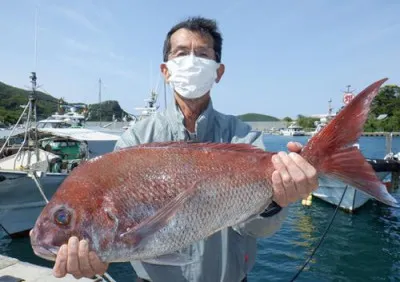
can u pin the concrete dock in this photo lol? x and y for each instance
(13, 270)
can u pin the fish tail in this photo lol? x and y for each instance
(333, 154)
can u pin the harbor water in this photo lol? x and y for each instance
(364, 246)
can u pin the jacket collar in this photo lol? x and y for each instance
(204, 123)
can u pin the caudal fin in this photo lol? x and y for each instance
(332, 153)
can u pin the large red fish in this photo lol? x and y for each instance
(146, 201)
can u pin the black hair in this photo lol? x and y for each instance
(201, 25)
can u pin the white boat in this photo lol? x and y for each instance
(70, 118)
(21, 200)
(35, 162)
(293, 130)
(148, 110)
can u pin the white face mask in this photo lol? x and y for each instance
(191, 76)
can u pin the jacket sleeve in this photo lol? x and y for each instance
(262, 225)
(127, 139)
(143, 131)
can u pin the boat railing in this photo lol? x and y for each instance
(13, 129)
(18, 154)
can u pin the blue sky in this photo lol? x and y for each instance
(282, 58)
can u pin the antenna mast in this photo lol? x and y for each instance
(100, 100)
(330, 107)
(35, 40)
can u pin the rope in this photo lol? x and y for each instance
(321, 239)
(33, 175)
(5, 230)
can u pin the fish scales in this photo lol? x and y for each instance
(238, 193)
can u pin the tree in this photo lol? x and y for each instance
(306, 122)
(386, 102)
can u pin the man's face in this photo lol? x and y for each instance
(184, 42)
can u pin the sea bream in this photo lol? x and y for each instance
(150, 200)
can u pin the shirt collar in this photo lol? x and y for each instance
(204, 122)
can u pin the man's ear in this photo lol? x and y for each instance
(164, 71)
(220, 72)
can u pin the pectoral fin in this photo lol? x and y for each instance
(160, 219)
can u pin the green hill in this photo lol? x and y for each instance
(105, 111)
(257, 117)
(12, 98)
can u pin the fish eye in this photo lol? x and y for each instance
(62, 217)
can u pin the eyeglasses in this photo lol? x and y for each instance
(202, 52)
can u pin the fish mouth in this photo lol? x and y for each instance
(48, 253)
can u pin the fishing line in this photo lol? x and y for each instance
(322, 238)
(5, 230)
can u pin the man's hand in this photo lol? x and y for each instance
(76, 259)
(294, 178)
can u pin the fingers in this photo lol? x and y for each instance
(294, 147)
(279, 190)
(72, 261)
(309, 171)
(60, 267)
(76, 259)
(283, 166)
(83, 254)
(294, 175)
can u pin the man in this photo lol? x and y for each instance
(192, 63)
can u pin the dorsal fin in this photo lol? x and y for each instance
(240, 147)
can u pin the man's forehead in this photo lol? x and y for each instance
(186, 38)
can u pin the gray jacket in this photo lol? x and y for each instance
(228, 255)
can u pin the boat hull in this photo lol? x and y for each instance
(19, 211)
(293, 133)
(331, 192)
